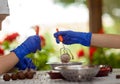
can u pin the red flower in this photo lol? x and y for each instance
(11, 37)
(91, 52)
(80, 53)
(101, 31)
(1, 51)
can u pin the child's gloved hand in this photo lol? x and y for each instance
(25, 63)
(71, 37)
(30, 45)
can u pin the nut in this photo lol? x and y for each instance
(65, 58)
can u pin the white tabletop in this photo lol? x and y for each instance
(42, 77)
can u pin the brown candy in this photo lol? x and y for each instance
(29, 74)
(110, 68)
(103, 72)
(55, 75)
(118, 76)
(14, 76)
(6, 77)
(21, 75)
(32, 71)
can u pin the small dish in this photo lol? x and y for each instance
(55, 75)
(104, 70)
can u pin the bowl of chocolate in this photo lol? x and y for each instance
(55, 75)
(104, 70)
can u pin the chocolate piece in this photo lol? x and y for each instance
(29, 74)
(21, 75)
(104, 71)
(118, 76)
(6, 77)
(14, 76)
(110, 68)
(55, 75)
(32, 71)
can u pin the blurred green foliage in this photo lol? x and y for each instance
(107, 56)
(66, 3)
(101, 56)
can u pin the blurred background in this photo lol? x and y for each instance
(42, 17)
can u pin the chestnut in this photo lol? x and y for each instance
(65, 58)
(21, 75)
(29, 75)
(14, 76)
(6, 77)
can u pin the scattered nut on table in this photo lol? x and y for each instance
(21, 75)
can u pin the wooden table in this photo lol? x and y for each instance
(42, 77)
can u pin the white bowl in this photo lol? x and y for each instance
(78, 72)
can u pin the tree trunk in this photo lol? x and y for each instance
(95, 15)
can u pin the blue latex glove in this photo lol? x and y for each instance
(25, 63)
(71, 37)
(30, 45)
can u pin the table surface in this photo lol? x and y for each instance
(42, 77)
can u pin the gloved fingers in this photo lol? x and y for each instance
(30, 45)
(57, 40)
(29, 63)
(68, 37)
(25, 63)
(67, 40)
(35, 41)
(21, 65)
(27, 60)
(57, 34)
(32, 66)
(38, 39)
(56, 37)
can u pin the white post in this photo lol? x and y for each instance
(4, 10)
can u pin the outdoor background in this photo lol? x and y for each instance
(29, 17)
